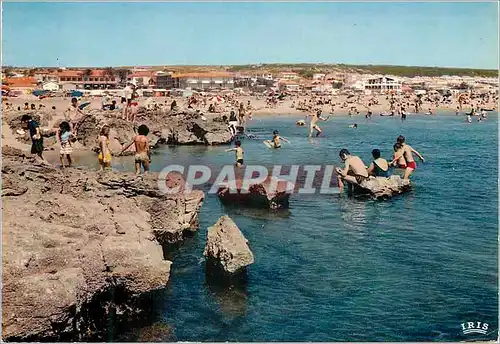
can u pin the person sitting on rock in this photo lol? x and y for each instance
(379, 166)
(354, 171)
(233, 123)
(63, 136)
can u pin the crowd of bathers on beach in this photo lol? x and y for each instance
(238, 114)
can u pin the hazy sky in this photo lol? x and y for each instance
(112, 34)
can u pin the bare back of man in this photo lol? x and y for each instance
(355, 172)
(141, 153)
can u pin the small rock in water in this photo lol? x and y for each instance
(226, 248)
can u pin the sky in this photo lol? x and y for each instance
(159, 33)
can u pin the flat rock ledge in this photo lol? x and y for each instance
(81, 249)
(383, 188)
(227, 250)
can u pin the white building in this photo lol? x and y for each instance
(319, 76)
(289, 76)
(50, 86)
(382, 84)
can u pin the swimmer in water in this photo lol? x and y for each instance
(315, 117)
(354, 126)
(276, 141)
(239, 153)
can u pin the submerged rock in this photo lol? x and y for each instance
(226, 248)
(259, 195)
(381, 187)
(80, 251)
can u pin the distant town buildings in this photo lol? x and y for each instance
(204, 81)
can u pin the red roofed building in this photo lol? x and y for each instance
(142, 78)
(95, 79)
(23, 82)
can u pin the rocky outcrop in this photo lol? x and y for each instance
(226, 248)
(259, 195)
(382, 188)
(183, 128)
(186, 127)
(80, 248)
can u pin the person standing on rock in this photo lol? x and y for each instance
(142, 153)
(71, 114)
(407, 152)
(63, 136)
(127, 93)
(242, 115)
(35, 135)
(105, 153)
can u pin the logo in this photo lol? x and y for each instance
(302, 179)
(474, 327)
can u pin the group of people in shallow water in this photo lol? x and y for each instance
(355, 172)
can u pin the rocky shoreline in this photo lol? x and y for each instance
(82, 250)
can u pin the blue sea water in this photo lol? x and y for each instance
(334, 268)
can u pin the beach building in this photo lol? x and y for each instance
(288, 76)
(51, 86)
(267, 76)
(46, 76)
(20, 83)
(382, 84)
(204, 80)
(289, 86)
(142, 79)
(323, 88)
(96, 79)
(319, 76)
(164, 81)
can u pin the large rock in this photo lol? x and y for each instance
(381, 187)
(188, 127)
(259, 195)
(185, 127)
(227, 248)
(80, 249)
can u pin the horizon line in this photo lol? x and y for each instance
(328, 64)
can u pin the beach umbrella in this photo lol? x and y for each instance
(82, 106)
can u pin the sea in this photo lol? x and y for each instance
(337, 268)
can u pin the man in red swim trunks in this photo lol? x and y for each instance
(407, 152)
